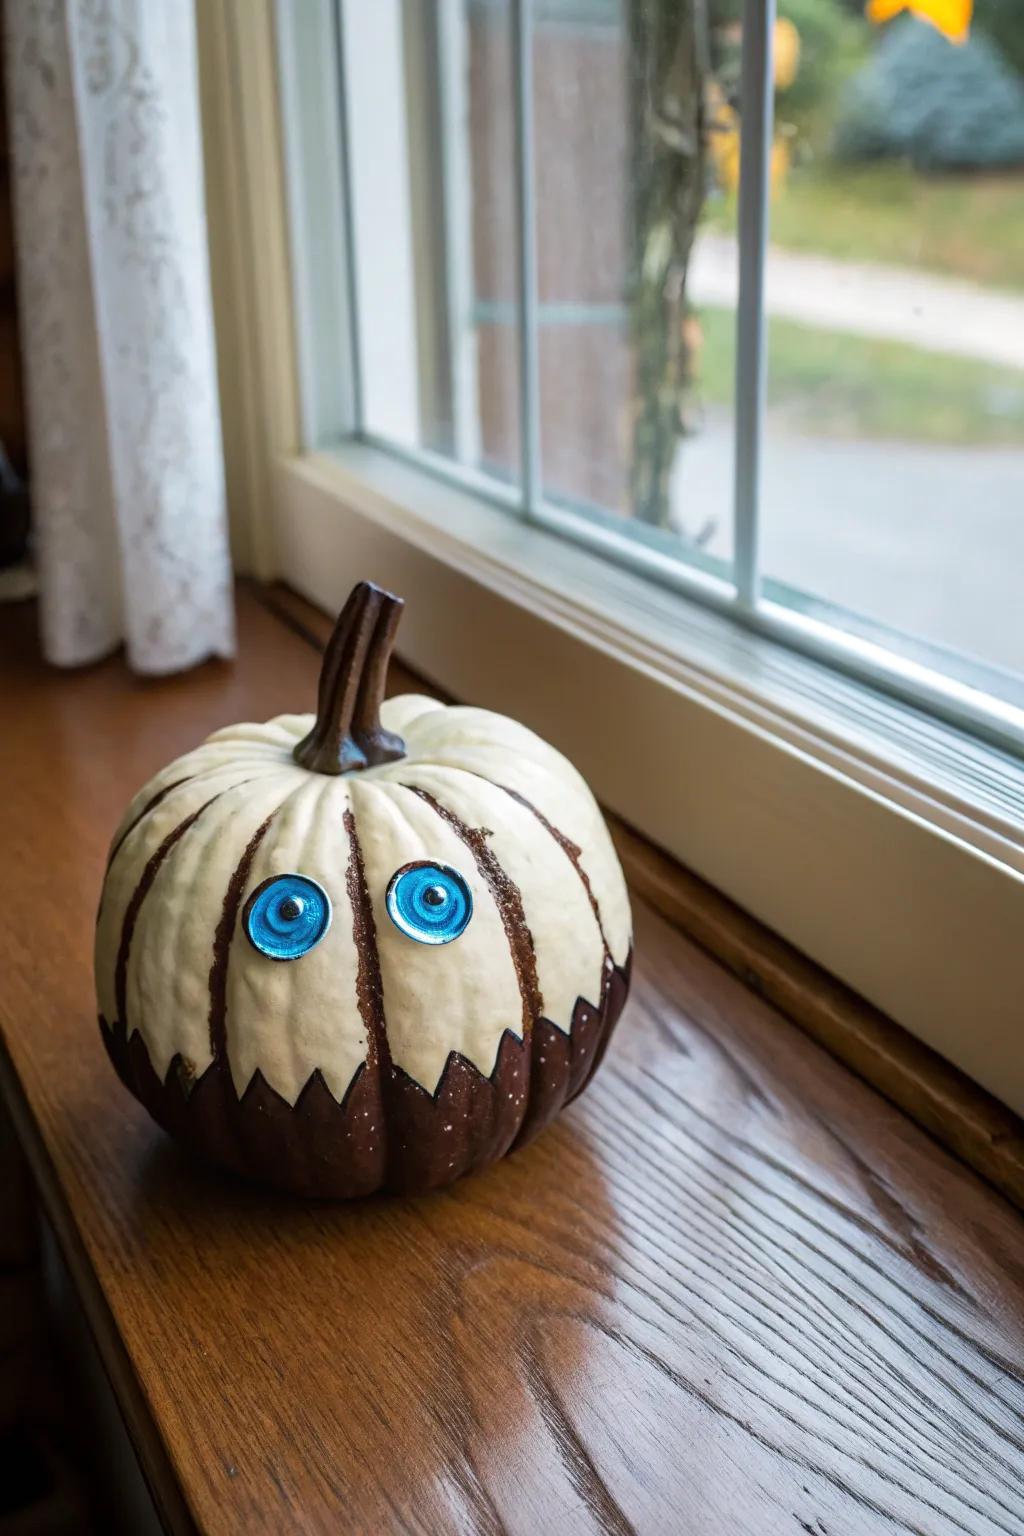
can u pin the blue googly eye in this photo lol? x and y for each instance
(286, 916)
(430, 903)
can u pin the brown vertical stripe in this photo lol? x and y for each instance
(572, 852)
(510, 907)
(131, 914)
(222, 944)
(369, 990)
(150, 805)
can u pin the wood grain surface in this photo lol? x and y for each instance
(935, 1093)
(733, 1290)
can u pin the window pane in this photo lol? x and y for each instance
(635, 319)
(636, 295)
(494, 218)
(429, 110)
(894, 448)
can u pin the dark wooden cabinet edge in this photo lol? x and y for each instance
(157, 1471)
(963, 1117)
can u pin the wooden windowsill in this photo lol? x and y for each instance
(733, 1289)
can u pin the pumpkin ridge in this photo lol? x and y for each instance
(369, 986)
(509, 902)
(379, 1068)
(150, 805)
(617, 984)
(572, 852)
(218, 983)
(138, 896)
(161, 796)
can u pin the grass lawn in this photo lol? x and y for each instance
(837, 385)
(963, 226)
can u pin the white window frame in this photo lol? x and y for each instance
(881, 840)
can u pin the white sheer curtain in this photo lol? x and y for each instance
(113, 279)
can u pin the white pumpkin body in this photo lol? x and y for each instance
(176, 974)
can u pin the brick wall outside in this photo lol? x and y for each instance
(581, 148)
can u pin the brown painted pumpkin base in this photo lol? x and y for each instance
(320, 1148)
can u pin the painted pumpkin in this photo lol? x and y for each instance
(377, 947)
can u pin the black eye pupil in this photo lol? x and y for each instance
(434, 896)
(290, 909)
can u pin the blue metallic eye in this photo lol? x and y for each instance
(286, 916)
(431, 903)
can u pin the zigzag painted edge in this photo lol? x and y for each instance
(388, 1132)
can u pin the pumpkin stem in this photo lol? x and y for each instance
(348, 734)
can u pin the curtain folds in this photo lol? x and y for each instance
(114, 291)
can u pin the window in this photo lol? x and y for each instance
(545, 224)
(689, 416)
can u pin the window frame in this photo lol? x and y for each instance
(848, 823)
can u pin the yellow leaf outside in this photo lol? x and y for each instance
(951, 17)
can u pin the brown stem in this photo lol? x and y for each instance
(348, 734)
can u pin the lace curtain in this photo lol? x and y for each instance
(113, 279)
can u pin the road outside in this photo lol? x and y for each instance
(925, 538)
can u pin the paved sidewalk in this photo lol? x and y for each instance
(938, 314)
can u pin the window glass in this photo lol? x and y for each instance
(892, 450)
(636, 296)
(893, 491)
(429, 113)
(491, 231)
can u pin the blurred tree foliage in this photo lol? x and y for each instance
(1003, 22)
(833, 40)
(936, 105)
(833, 44)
